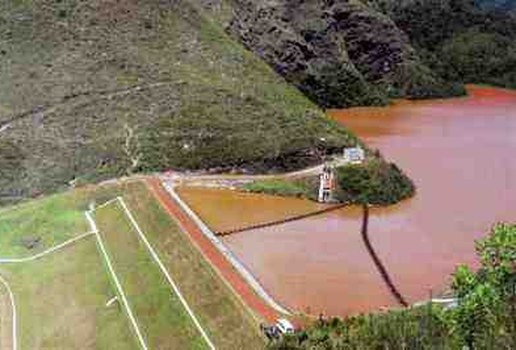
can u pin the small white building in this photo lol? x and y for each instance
(354, 155)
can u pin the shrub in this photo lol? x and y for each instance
(375, 182)
(484, 318)
(458, 39)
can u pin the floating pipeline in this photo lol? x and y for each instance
(378, 263)
(376, 259)
(279, 222)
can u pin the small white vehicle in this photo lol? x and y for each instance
(284, 326)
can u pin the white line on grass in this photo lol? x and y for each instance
(13, 306)
(166, 273)
(27, 259)
(111, 301)
(94, 228)
(48, 251)
(105, 204)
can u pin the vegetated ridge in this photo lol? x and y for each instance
(464, 41)
(99, 89)
(339, 53)
(351, 52)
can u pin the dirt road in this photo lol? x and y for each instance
(224, 180)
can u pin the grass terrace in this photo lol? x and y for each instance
(61, 297)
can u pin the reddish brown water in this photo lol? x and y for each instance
(461, 154)
(224, 209)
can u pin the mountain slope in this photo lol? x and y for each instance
(351, 52)
(339, 53)
(503, 5)
(465, 41)
(97, 89)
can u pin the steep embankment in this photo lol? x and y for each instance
(339, 53)
(98, 89)
(463, 41)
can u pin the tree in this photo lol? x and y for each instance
(375, 182)
(485, 316)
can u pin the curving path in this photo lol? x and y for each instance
(46, 252)
(200, 179)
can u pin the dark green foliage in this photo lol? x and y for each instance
(244, 133)
(460, 40)
(478, 57)
(418, 328)
(500, 5)
(338, 86)
(483, 318)
(419, 82)
(11, 170)
(339, 53)
(375, 182)
(11, 158)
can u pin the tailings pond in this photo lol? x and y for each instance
(461, 153)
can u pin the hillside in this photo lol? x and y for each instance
(339, 53)
(351, 52)
(99, 89)
(463, 41)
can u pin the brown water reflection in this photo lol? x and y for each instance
(460, 153)
(224, 209)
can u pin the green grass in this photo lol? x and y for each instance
(278, 188)
(62, 296)
(158, 311)
(49, 220)
(61, 302)
(53, 220)
(227, 320)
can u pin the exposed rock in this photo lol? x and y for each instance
(340, 53)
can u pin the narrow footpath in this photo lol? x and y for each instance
(212, 255)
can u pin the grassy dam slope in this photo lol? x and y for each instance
(64, 298)
(98, 89)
